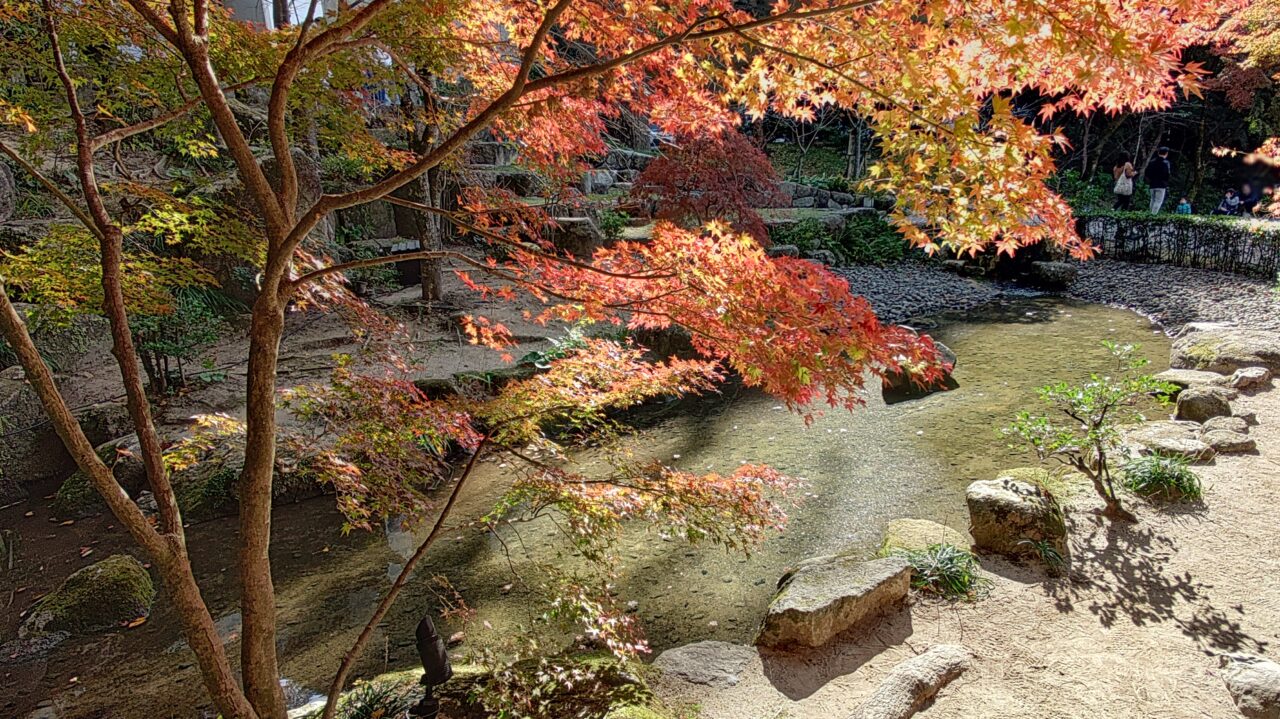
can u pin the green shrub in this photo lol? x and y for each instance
(1095, 194)
(612, 222)
(807, 234)
(869, 239)
(1163, 477)
(375, 700)
(946, 570)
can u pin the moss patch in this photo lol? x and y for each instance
(1059, 484)
(101, 596)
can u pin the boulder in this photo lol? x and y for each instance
(916, 534)
(1171, 439)
(826, 257)
(1007, 517)
(1199, 404)
(1254, 684)
(1185, 378)
(579, 236)
(105, 421)
(1229, 424)
(101, 596)
(11, 489)
(783, 251)
(1226, 349)
(1054, 275)
(1250, 378)
(1226, 442)
(902, 386)
(124, 456)
(715, 664)
(824, 599)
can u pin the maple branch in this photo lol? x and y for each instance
(374, 262)
(349, 659)
(461, 224)
(691, 34)
(378, 190)
(834, 70)
(56, 191)
(121, 133)
(111, 246)
(155, 20)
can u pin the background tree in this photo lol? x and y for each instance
(933, 78)
(711, 177)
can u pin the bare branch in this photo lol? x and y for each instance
(121, 133)
(56, 191)
(111, 244)
(349, 659)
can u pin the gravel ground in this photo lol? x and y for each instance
(1174, 296)
(912, 289)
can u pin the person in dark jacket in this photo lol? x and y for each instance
(1249, 199)
(1159, 170)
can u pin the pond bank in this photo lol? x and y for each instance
(1174, 296)
(1134, 631)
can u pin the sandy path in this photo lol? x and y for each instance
(1134, 632)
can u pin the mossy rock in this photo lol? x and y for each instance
(914, 535)
(77, 497)
(101, 596)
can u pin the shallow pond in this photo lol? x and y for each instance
(862, 469)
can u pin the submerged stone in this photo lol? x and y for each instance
(917, 534)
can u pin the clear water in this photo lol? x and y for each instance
(862, 469)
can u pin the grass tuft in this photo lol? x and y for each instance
(948, 571)
(1162, 477)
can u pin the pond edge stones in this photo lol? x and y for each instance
(823, 598)
(1010, 517)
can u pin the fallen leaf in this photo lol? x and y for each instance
(67, 523)
(86, 551)
(136, 623)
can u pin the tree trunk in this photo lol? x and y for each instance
(167, 552)
(430, 238)
(259, 665)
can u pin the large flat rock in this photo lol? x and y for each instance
(1225, 349)
(1171, 439)
(715, 664)
(824, 599)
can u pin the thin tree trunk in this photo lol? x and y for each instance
(259, 665)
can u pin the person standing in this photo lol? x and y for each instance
(1159, 170)
(1124, 172)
